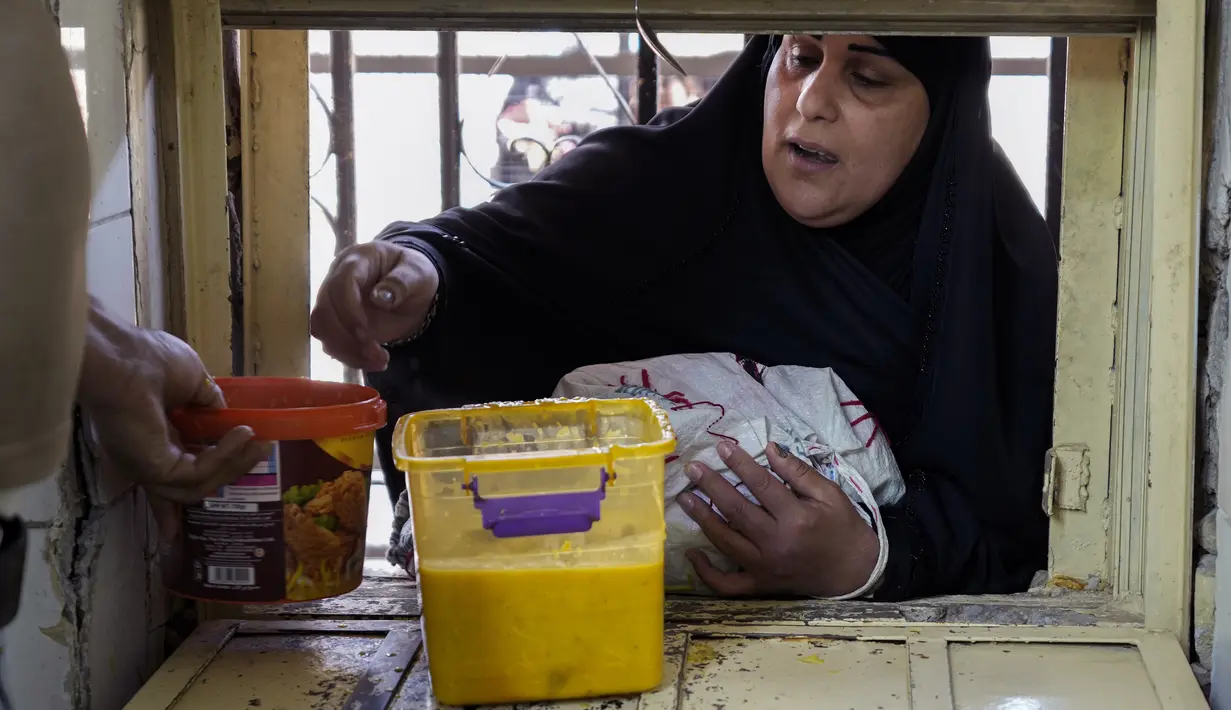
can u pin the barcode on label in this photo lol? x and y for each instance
(230, 575)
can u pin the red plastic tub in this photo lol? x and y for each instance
(293, 529)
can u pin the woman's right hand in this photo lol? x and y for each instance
(375, 293)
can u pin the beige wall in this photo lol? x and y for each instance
(89, 631)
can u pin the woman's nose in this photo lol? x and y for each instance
(818, 97)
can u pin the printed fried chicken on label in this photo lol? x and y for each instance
(311, 543)
(344, 498)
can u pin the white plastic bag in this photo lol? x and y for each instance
(716, 396)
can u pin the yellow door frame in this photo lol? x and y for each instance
(1121, 481)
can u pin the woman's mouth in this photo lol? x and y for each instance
(809, 156)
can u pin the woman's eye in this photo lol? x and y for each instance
(867, 81)
(802, 61)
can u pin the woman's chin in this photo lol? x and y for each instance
(811, 209)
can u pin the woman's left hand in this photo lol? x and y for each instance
(807, 539)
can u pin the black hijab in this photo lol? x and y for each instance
(883, 238)
(937, 306)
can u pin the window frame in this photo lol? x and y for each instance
(1041, 17)
(643, 66)
(1145, 484)
(396, 673)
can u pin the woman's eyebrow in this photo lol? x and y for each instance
(865, 48)
(869, 49)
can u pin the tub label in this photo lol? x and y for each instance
(292, 529)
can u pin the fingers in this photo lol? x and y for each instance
(375, 357)
(727, 584)
(185, 382)
(742, 515)
(208, 393)
(350, 279)
(734, 545)
(234, 455)
(374, 293)
(772, 493)
(339, 319)
(194, 477)
(392, 290)
(804, 480)
(338, 342)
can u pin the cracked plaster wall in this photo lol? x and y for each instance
(1211, 586)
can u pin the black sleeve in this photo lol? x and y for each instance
(938, 545)
(978, 527)
(534, 282)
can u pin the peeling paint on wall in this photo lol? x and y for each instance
(83, 585)
(1212, 587)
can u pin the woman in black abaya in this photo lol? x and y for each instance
(833, 201)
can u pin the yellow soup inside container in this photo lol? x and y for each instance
(539, 544)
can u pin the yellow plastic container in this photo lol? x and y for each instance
(539, 544)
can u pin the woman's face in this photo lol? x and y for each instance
(842, 120)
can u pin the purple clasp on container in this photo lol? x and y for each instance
(540, 514)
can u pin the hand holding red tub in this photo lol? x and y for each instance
(131, 379)
(374, 293)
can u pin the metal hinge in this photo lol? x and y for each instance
(1066, 478)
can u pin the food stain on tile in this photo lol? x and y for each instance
(701, 653)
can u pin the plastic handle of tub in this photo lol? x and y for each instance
(540, 514)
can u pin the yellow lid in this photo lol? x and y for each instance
(549, 433)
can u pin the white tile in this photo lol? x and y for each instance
(112, 186)
(161, 602)
(92, 32)
(38, 502)
(71, 13)
(105, 484)
(155, 279)
(1220, 685)
(110, 274)
(36, 656)
(117, 613)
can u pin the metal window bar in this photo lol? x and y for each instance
(576, 63)
(235, 194)
(447, 68)
(448, 65)
(343, 79)
(345, 228)
(1057, 76)
(625, 82)
(647, 82)
(341, 116)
